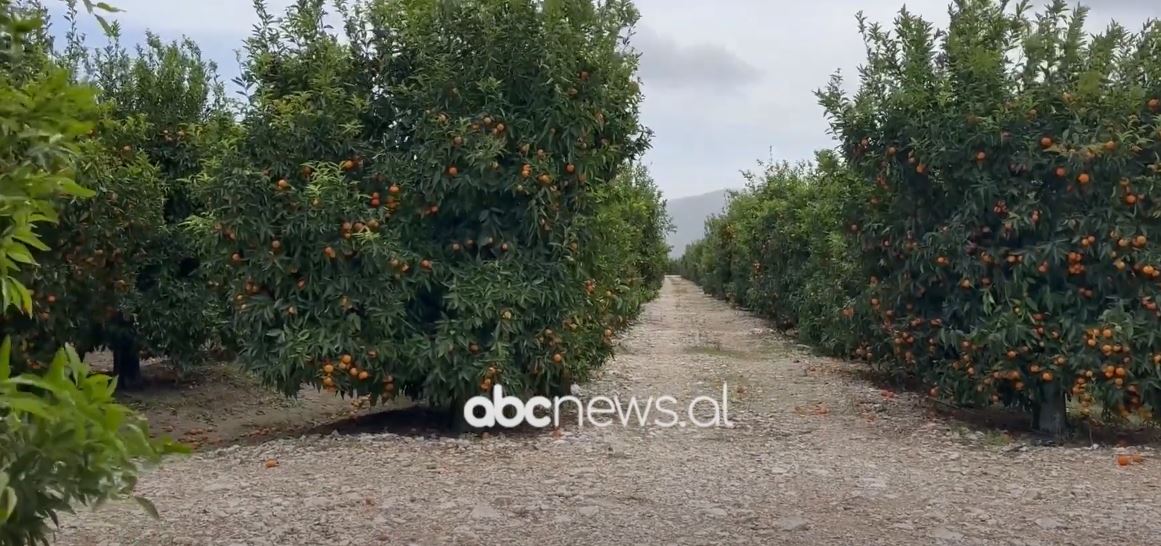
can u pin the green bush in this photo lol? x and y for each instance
(64, 441)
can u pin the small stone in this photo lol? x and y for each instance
(792, 524)
(484, 511)
(1049, 524)
(215, 487)
(943, 533)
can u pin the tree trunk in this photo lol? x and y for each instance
(1050, 415)
(456, 421)
(126, 362)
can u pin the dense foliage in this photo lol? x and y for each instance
(173, 93)
(1007, 243)
(780, 250)
(65, 442)
(418, 206)
(121, 273)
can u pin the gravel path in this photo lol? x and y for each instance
(814, 458)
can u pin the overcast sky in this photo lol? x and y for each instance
(727, 82)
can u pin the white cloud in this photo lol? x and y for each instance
(669, 64)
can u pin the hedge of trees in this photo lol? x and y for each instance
(992, 226)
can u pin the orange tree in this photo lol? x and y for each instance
(625, 261)
(779, 250)
(100, 245)
(91, 256)
(173, 93)
(631, 211)
(409, 209)
(1011, 234)
(127, 275)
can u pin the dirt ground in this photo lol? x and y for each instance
(815, 456)
(219, 405)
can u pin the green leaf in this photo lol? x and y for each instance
(33, 381)
(105, 26)
(26, 403)
(72, 188)
(5, 355)
(25, 297)
(7, 502)
(106, 7)
(18, 253)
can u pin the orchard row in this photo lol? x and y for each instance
(990, 224)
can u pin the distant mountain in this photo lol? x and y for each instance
(689, 215)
